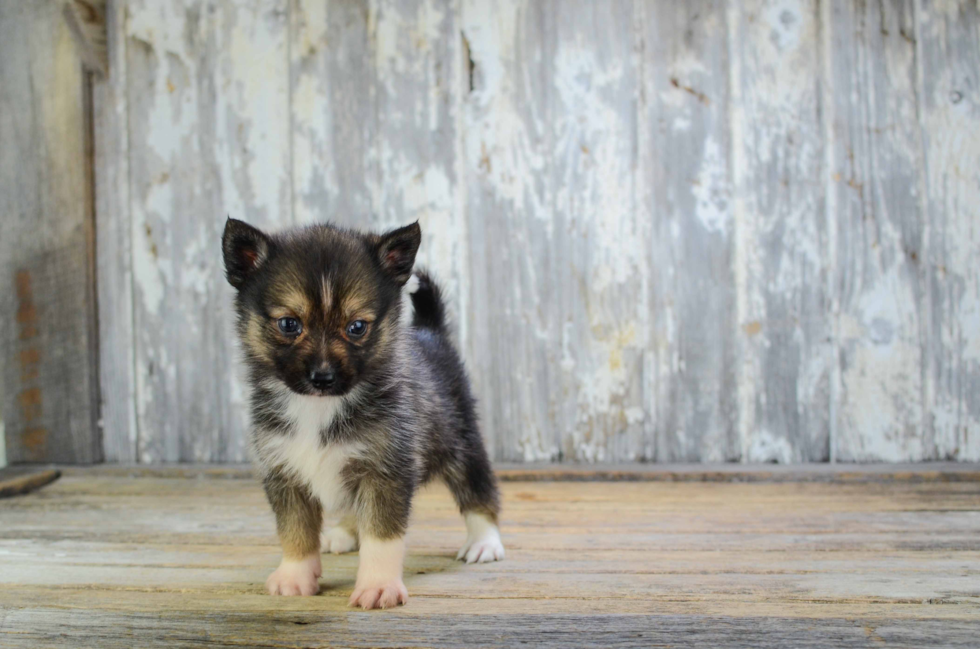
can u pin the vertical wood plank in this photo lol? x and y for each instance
(949, 48)
(165, 188)
(601, 247)
(114, 249)
(689, 181)
(374, 107)
(416, 47)
(47, 344)
(209, 100)
(249, 68)
(558, 259)
(507, 149)
(332, 112)
(781, 246)
(876, 160)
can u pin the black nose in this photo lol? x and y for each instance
(323, 379)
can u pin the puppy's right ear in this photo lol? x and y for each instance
(245, 249)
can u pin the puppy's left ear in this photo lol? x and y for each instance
(245, 249)
(396, 251)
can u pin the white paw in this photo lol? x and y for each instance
(379, 574)
(338, 540)
(483, 543)
(385, 595)
(296, 577)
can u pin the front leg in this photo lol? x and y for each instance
(379, 573)
(299, 517)
(383, 504)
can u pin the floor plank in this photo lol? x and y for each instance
(101, 559)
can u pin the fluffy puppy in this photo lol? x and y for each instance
(353, 407)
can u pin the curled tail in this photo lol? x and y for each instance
(430, 310)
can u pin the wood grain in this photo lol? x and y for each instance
(948, 47)
(600, 240)
(332, 113)
(688, 192)
(113, 560)
(419, 85)
(702, 231)
(87, 21)
(19, 481)
(507, 146)
(785, 351)
(208, 97)
(48, 353)
(113, 232)
(874, 201)
(361, 630)
(559, 318)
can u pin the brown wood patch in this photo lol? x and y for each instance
(48, 351)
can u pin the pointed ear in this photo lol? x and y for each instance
(245, 249)
(396, 251)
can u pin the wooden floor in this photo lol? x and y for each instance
(101, 559)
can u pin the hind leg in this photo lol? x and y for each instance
(342, 537)
(474, 487)
(483, 542)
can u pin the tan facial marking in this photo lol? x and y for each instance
(354, 305)
(383, 334)
(297, 302)
(337, 349)
(254, 339)
(326, 294)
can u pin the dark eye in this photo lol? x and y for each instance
(290, 326)
(356, 329)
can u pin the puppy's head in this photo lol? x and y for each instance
(318, 307)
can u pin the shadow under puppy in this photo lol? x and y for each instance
(353, 405)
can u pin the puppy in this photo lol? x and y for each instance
(353, 406)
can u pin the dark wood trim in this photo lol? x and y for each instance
(16, 481)
(835, 473)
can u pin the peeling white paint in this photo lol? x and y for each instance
(767, 447)
(151, 272)
(713, 190)
(574, 347)
(949, 57)
(635, 415)
(786, 23)
(505, 148)
(881, 411)
(252, 116)
(780, 248)
(158, 25)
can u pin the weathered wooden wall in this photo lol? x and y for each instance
(48, 358)
(671, 231)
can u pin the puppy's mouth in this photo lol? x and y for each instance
(308, 390)
(325, 393)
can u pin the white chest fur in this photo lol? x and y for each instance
(304, 454)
